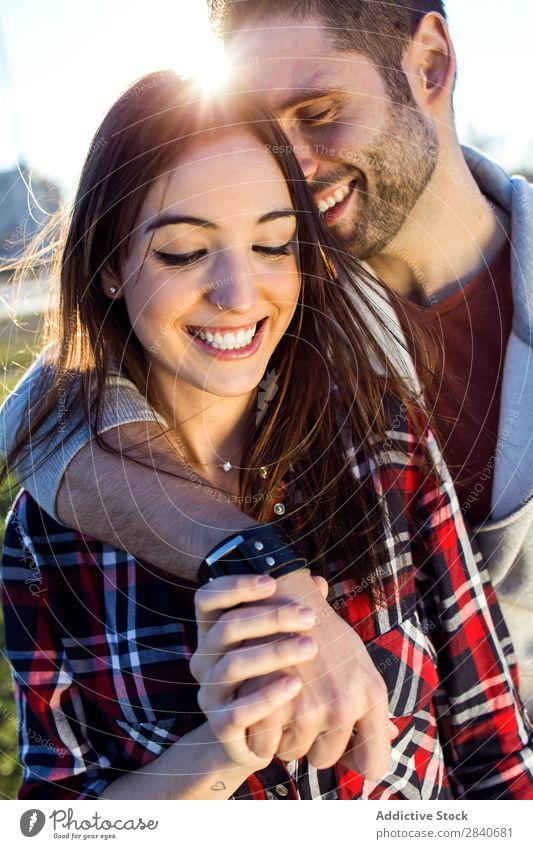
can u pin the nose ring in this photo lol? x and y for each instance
(218, 305)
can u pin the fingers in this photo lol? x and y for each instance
(323, 753)
(296, 743)
(369, 750)
(252, 622)
(229, 723)
(330, 746)
(321, 584)
(246, 663)
(261, 735)
(222, 594)
(215, 662)
(246, 710)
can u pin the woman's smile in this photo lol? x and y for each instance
(228, 343)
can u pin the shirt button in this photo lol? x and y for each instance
(281, 790)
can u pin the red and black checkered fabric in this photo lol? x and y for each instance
(100, 645)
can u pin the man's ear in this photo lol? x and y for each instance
(109, 284)
(430, 63)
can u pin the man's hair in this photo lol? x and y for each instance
(378, 29)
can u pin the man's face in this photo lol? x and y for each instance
(366, 158)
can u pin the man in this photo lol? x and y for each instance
(370, 109)
(364, 93)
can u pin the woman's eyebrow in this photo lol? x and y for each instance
(277, 213)
(169, 218)
(165, 220)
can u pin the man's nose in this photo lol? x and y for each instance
(304, 151)
(308, 164)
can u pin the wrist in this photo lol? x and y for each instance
(257, 550)
(217, 775)
(230, 772)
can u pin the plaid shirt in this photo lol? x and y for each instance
(100, 645)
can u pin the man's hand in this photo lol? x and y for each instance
(341, 689)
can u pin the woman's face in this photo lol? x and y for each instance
(221, 227)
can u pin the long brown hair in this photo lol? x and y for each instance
(329, 345)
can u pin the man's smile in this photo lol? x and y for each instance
(332, 202)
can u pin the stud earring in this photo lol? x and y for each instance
(112, 290)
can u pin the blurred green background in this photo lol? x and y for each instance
(18, 342)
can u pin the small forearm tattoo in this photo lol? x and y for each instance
(218, 786)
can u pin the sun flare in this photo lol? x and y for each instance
(206, 63)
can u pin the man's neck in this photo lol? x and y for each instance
(451, 235)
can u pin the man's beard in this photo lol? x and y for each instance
(400, 163)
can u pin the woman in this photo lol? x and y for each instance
(195, 261)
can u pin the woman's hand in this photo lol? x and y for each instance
(221, 664)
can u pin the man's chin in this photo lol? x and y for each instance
(359, 245)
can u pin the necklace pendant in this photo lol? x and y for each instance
(227, 466)
(263, 472)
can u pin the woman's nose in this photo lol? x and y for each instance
(234, 286)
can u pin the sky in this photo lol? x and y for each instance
(65, 61)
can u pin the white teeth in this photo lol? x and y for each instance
(338, 195)
(228, 341)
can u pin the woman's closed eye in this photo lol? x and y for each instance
(274, 250)
(181, 260)
(184, 260)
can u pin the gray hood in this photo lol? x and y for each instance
(513, 470)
